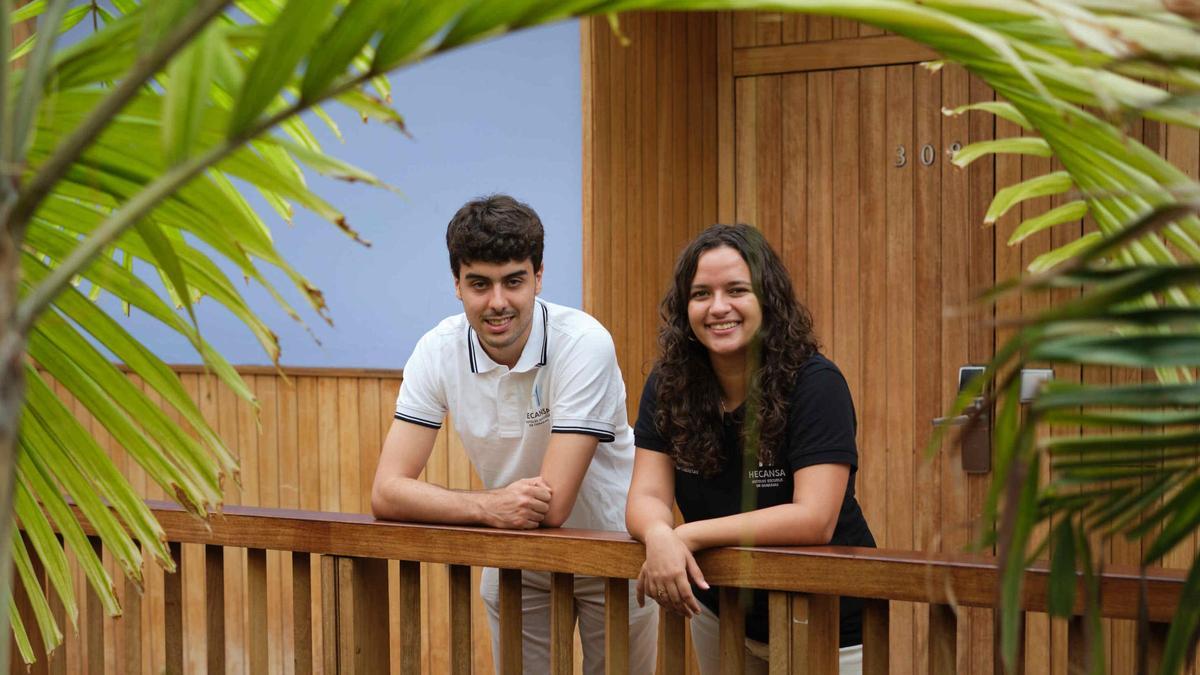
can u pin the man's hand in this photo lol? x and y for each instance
(521, 505)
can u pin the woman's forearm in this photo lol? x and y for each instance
(646, 513)
(782, 525)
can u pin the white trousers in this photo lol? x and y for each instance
(589, 610)
(706, 638)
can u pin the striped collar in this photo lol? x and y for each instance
(532, 356)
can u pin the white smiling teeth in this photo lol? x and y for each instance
(723, 326)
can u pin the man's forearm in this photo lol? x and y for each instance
(415, 500)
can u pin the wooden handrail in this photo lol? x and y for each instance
(940, 578)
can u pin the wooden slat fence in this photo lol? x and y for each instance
(354, 552)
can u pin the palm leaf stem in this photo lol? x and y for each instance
(73, 146)
(40, 297)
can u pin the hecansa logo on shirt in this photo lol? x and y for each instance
(768, 477)
(534, 418)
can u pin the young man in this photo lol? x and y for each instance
(537, 398)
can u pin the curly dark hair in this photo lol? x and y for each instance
(494, 229)
(689, 412)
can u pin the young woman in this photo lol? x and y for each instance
(749, 429)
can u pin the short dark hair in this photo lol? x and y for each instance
(494, 229)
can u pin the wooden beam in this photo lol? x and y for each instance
(911, 576)
(883, 50)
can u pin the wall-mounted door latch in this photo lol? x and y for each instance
(975, 439)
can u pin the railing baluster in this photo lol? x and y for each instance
(733, 632)
(671, 653)
(94, 620)
(1155, 644)
(1077, 656)
(131, 625)
(875, 637)
(360, 616)
(460, 619)
(616, 626)
(256, 589)
(410, 617)
(214, 610)
(562, 623)
(510, 622)
(329, 614)
(24, 607)
(173, 612)
(779, 620)
(943, 639)
(815, 624)
(997, 657)
(56, 663)
(302, 653)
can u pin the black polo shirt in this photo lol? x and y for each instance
(820, 430)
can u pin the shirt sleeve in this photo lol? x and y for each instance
(588, 391)
(822, 425)
(422, 398)
(645, 431)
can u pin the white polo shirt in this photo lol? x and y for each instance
(566, 381)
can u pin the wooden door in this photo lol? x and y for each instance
(846, 171)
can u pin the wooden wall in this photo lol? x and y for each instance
(314, 445)
(804, 139)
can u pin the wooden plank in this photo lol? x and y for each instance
(56, 661)
(562, 622)
(510, 622)
(362, 615)
(853, 53)
(980, 337)
(779, 618)
(671, 657)
(460, 619)
(846, 325)
(616, 626)
(173, 612)
(875, 628)
(900, 343)
(302, 651)
(369, 440)
(819, 256)
(328, 424)
(291, 372)
(214, 595)
(768, 160)
(329, 610)
(732, 631)
(943, 638)
(815, 621)
(795, 28)
(746, 170)
(820, 28)
(794, 172)
(257, 628)
(409, 609)
(908, 576)
(93, 623)
(871, 406)
(131, 626)
(725, 119)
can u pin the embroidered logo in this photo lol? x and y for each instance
(539, 414)
(768, 477)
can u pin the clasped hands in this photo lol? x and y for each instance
(520, 505)
(669, 571)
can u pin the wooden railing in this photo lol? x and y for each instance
(354, 550)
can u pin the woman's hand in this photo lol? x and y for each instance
(666, 572)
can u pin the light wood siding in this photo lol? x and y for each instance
(811, 113)
(650, 169)
(313, 444)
